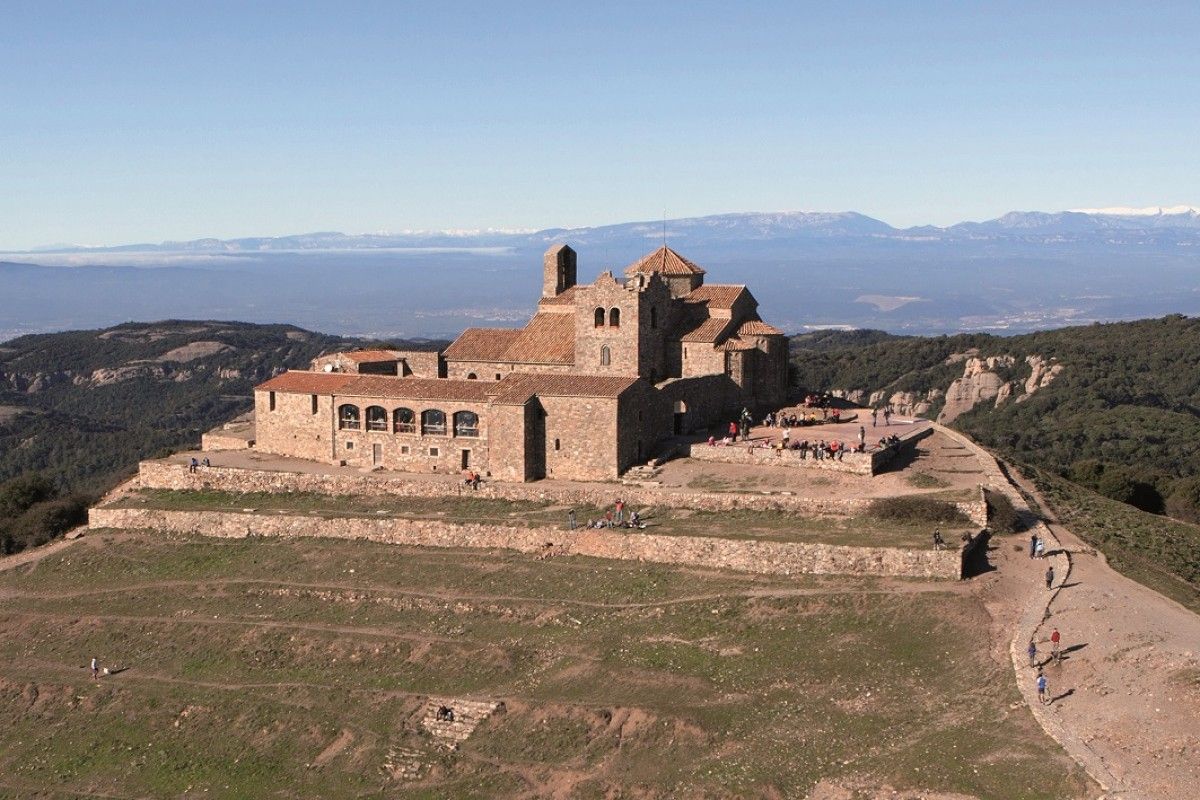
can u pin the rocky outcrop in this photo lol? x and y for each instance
(979, 384)
(1042, 374)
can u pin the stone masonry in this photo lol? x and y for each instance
(778, 558)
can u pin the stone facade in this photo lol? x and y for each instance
(867, 463)
(777, 558)
(602, 373)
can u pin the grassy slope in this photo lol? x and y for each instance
(246, 658)
(1158, 552)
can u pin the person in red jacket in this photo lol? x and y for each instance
(1055, 638)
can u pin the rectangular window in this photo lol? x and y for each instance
(433, 451)
(314, 404)
(403, 449)
(349, 445)
(497, 376)
(271, 400)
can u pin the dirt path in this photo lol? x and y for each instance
(35, 554)
(1126, 695)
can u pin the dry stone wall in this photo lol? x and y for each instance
(778, 558)
(165, 475)
(855, 463)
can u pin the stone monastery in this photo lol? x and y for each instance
(599, 376)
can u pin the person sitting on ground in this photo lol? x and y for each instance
(207, 463)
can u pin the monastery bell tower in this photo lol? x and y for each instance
(558, 270)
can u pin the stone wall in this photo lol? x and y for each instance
(215, 440)
(165, 475)
(869, 463)
(776, 558)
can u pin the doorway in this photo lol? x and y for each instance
(376, 454)
(680, 419)
(466, 459)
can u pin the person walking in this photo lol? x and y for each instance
(1032, 650)
(95, 669)
(874, 417)
(571, 519)
(1050, 577)
(1043, 688)
(1055, 639)
(938, 541)
(1033, 543)
(862, 438)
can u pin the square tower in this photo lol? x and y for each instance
(558, 270)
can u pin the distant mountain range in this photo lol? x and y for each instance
(1023, 271)
(1117, 226)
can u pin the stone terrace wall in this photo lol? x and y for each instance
(164, 475)
(869, 463)
(779, 558)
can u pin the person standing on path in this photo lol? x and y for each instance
(1043, 688)
(1055, 638)
(1032, 653)
(862, 438)
(1050, 577)
(95, 669)
(571, 519)
(620, 511)
(874, 417)
(1033, 543)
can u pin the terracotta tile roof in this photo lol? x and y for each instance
(666, 261)
(756, 327)
(734, 344)
(303, 382)
(369, 356)
(417, 388)
(715, 295)
(563, 298)
(704, 329)
(351, 385)
(546, 339)
(481, 344)
(518, 387)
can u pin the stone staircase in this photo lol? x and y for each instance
(405, 764)
(641, 475)
(468, 715)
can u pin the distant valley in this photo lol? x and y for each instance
(1021, 272)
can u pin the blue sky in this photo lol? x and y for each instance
(144, 122)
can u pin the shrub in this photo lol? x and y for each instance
(916, 509)
(1002, 515)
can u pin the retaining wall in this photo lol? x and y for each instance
(868, 463)
(165, 475)
(782, 558)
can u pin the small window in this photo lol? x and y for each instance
(271, 400)
(599, 317)
(314, 404)
(349, 445)
(403, 449)
(605, 356)
(433, 451)
(497, 376)
(557, 444)
(614, 318)
(653, 317)
(471, 376)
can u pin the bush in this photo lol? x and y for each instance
(916, 509)
(1002, 515)
(1184, 501)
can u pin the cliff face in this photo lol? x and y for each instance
(984, 380)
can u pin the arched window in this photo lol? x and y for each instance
(653, 317)
(348, 419)
(433, 422)
(466, 423)
(404, 421)
(377, 418)
(614, 318)
(599, 317)
(605, 356)
(471, 376)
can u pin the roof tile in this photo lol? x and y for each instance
(666, 261)
(547, 338)
(518, 387)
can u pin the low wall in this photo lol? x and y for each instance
(213, 441)
(779, 558)
(165, 475)
(868, 463)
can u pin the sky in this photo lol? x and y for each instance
(144, 122)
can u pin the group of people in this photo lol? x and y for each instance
(778, 419)
(1056, 654)
(614, 517)
(471, 479)
(885, 412)
(194, 464)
